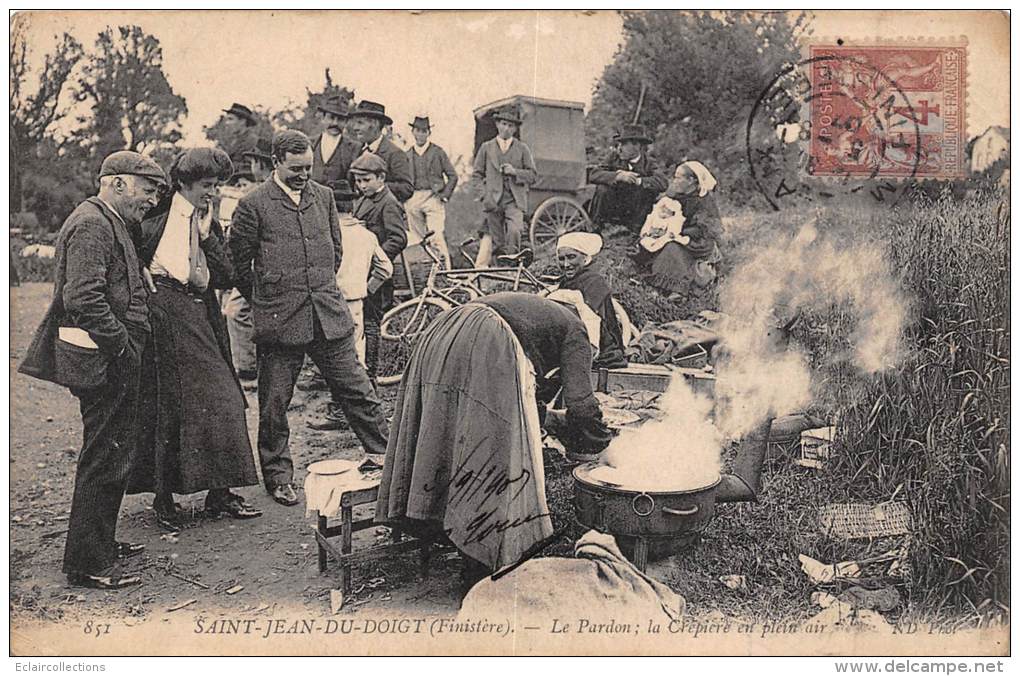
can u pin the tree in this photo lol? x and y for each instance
(306, 118)
(132, 105)
(34, 113)
(702, 72)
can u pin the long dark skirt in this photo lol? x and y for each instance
(674, 268)
(193, 431)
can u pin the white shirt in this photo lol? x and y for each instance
(174, 248)
(374, 145)
(110, 207)
(294, 195)
(504, 145)
(328, 146)
(422, 149)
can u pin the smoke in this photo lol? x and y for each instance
(680, 451)
(758, 372)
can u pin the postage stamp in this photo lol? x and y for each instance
(890, 111)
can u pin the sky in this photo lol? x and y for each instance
(447, 63)
(443, 63)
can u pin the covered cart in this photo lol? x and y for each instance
(554, 130)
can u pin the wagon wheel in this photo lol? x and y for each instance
(554, 217)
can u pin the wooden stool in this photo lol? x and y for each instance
(345, 555)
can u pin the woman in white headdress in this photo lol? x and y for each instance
(575, 252)
(694, 256)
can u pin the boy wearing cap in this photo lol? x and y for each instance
(504, 168)
(91, 341)
(434, 180)
(383, 215)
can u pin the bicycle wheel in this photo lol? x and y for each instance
(399, 330)
(459, 293)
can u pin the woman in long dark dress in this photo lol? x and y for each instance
(194, 435)
(464, 458)
(676, 266)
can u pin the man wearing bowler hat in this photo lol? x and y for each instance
(504, 168)
(328, 162)
(239, 124)
(628, 180)
(366, 123)
(91, 341)
(434, 180)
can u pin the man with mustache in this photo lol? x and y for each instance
(366, 124)
(289, 228)
(329, 163)
(91, 341)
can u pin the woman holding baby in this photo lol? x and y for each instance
(680, 237)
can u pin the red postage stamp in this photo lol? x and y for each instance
(888, 111)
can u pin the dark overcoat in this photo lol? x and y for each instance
(398, 169)
(625, 203)
(285, 259)
(328, 173)
(101, 292)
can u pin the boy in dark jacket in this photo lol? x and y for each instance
(384, 216)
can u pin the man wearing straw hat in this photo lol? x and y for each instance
(434, 180)
(329, 165)
(628, 180)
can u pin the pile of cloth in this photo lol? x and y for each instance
(599, 583)
(683, 341)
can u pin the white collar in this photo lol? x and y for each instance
(504, 145)
(294, 195)
(421, 150)
(180, 205)
(374, 145)
(635, 160)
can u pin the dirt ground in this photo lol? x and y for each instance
(272, 557)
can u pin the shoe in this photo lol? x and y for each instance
(110, 579)
(333, 420)
(168, 516)
(234, 505)
(125, 550)
(372, 462)
(284, 494)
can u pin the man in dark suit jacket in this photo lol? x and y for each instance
(331, 160)
(289, 228)
(91, 341)
(628, 181)
(366, 123)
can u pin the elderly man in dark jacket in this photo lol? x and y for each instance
(628, 181)
(366, 123)
(289, 228)
(91, 341)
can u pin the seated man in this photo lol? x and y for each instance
(628, 181)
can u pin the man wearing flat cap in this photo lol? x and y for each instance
(286, 251)
(366, 123)
(504, 168)
(91, 341)
(329, 163)
(628, 180)
(434, 180)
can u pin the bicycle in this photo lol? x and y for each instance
(404, 323)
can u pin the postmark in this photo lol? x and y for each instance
(840, 123)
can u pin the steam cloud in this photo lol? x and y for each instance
(756, 375)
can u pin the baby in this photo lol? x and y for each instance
(664, 224)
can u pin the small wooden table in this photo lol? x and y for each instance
(363, 493)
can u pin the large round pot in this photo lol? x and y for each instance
(619, 510)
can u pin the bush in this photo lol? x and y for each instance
(937, 431)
